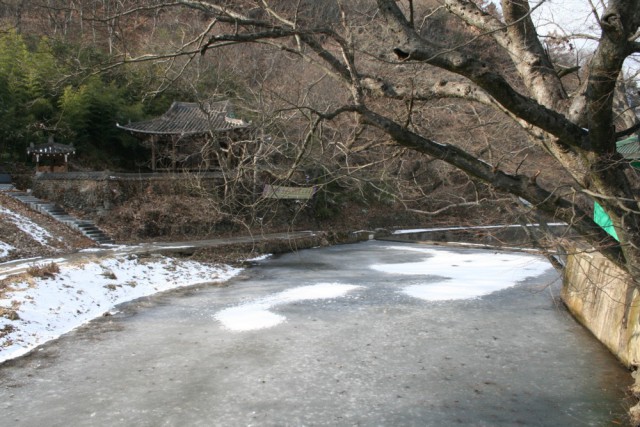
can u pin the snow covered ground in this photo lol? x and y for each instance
(5, 248)
(38, 309)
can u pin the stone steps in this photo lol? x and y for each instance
(86, 227)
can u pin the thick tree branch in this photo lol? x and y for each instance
(619, 22)
(628, 131)
(519, 39)
(411, 47)
(426, 91)
(470, 13)
(531, 58)
(519, 185)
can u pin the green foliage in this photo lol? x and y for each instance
(35, 103)
(28, 91)
(17, 86)
(89, 113)
(48, 87)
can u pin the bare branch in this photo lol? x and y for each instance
(628, 131)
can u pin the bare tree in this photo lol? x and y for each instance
(387, 63)
(369, 48)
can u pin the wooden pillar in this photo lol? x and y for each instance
(153, 153)
(173, 153)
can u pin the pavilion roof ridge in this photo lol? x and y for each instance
(189, 118)
(51, 148)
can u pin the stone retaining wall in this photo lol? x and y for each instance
(101, 191)
(602, 297)
(605, 300)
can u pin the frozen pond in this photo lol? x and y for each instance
(367, 334)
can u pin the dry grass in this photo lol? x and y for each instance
(11, 313)
(47, 271)
(167, 216)
(44, 271)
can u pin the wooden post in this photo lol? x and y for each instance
(173, 153)
(153, 153)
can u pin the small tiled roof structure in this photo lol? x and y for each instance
(189, 118)
(51, 156)
(50, 149)
(629, 148)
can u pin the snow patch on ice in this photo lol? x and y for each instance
(256, 315)
(464, 275)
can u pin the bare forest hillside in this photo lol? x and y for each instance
(364, 180)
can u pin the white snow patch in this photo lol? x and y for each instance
(36, 232)
(480, 227)
(5, 248)
(48, 308)
(256, 315)
(260, 258)
(465, 275)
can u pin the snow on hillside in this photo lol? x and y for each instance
(27, 226)
(5, 249)
(25, 233)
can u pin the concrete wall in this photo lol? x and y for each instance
(101, 191)
(602, 297)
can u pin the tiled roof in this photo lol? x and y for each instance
(51, 148)
(188, 118)
(629, 148)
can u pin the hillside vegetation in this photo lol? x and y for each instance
(57, 78)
